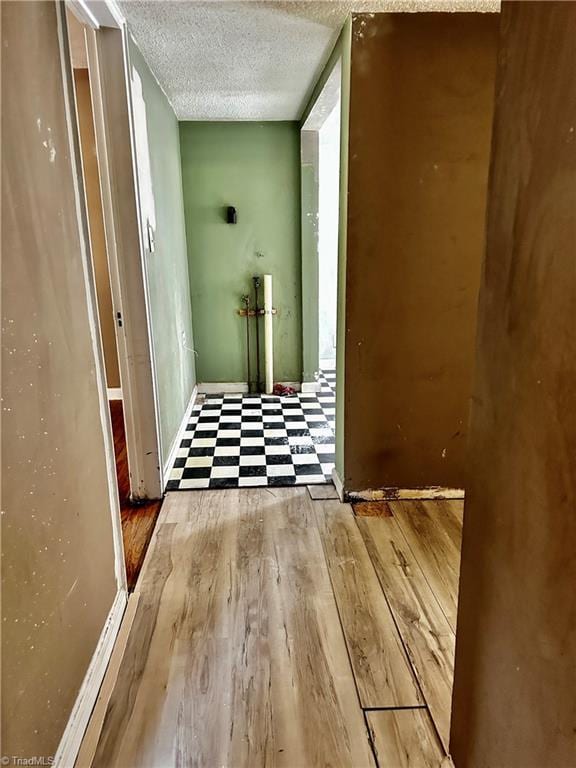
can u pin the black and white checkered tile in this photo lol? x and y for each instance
(236, 441)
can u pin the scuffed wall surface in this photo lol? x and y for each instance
(514, 702)
(420, 122)
(58, 579)
(168, 282)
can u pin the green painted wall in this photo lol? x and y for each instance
(167, 266)
(343, 51)
(256, 168)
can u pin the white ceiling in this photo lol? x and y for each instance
(249, 59)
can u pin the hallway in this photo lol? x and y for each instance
(272, 629)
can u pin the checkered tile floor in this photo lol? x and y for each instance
(236, 441)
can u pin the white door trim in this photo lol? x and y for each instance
(83, 13)
(128, 279)
(143, 249)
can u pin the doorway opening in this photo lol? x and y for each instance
(320, 196)
(137, 515)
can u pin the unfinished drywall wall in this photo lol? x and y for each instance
(58, 579)
(96, 223)
(256, 168)
(167, 265)
(514, 702)
(420, 120)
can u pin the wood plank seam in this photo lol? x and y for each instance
(404, 643)
(388, 709)
(396, 625)
(407, 737)
(371, 740)
(337, 594)
(423, 571)
(342, 628)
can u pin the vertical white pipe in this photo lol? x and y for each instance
(268, 338)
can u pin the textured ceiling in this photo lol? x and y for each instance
(249, 60)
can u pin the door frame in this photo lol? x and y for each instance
(91, 299)
(114, 131)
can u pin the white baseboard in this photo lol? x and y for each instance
(310, 386)
(74, 732)
(114, 393)
(399, 494)
(94, 728)
(169, 463)
(224, 387)
(236, 387)
(338, 484)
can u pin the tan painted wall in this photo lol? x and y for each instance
(514, 702)
(96, 222)
(420, 118)
(58, 561)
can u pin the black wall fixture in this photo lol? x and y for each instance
(231, 216)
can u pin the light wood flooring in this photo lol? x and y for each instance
(272, 629)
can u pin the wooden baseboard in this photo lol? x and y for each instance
(71, 740)
(94, 729)
(169, 463)
(397, 494)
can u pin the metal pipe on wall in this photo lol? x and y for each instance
(268, 336)
(246, 302)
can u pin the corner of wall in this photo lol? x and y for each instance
(346, 54)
